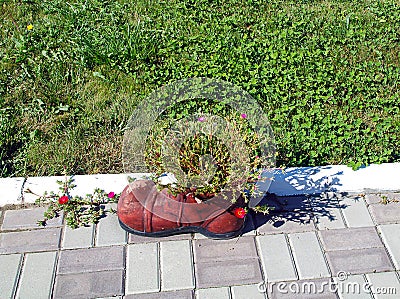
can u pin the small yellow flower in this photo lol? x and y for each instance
(29, 27)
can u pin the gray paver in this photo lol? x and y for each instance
(226, 262)
(228, 272)
(352, 287)
(81, 237)
(212, 293)
(288, 203)
(27, 218)
(356, 212)
(289, 222)
(276, 258)
(247, 291)
(379, 197)
(92, 259)
(142, 272)
(374, 198)
(89, 285)
(181, 294)
(142, 239)
(384, 285)
(176, 265)
(391, 238)
(30, 241)
(308, 256)
(220, 250)
(302, 289)
(358, 261)
(10, 266)
(350, 238)
(109, 232)
(37, 275)
(333, 219)
(386, 214)
(249, 226)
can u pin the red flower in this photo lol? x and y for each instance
(63, 200)
(243, 115)
(111, 195)
(239, 212)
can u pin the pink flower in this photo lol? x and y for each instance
(239, 213)
(111, 195)
(63, 200)
(243, 115)
(201, 119)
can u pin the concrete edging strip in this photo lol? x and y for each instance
(293, 181)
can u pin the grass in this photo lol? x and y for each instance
(326, 72)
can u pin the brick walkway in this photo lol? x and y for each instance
(306, 240)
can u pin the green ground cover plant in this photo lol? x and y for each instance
(327, 74)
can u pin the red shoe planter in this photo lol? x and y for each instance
(143, 210)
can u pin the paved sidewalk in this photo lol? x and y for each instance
(307, 242)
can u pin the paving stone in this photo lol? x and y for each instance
(247, 291)
(250, 228)
(289, 222)
(358, 261)
(142, 239)
(81, 237)
(90, 260)
(226, 262)
(142, 269)
(275, 257)
(308, 257)
(37, 275)
(391, 237)
(301, 289)
(352, 287)
(386, 214)
(181, 294)
(27, 218)
(30, 241)
(198, 236)
(10, 267)
(228, 272)
(384, 285)
(356, 212)
(206, 250)
(176, 265)
(213, 293)
(109, 232)
(326, 210)
(89, 285)
(350, 238)
(287, 203)
(332, 219)
(378, 198)
(10, 190)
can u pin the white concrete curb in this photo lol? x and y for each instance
(298, 180)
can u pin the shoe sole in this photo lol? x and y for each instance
(184, 230)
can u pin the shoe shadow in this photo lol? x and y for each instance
(298, 212)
